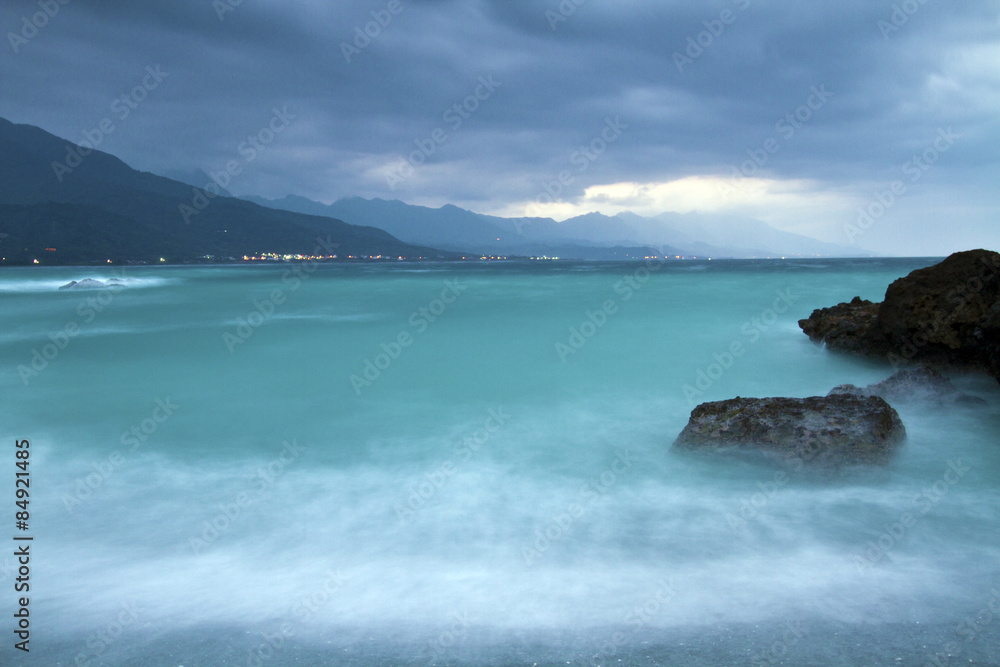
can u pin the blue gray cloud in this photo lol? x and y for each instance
(719, 100)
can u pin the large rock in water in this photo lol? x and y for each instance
(821, 430)
(947, 314)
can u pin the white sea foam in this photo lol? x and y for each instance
(30, 285)
(477, 476)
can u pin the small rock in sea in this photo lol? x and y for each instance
(922, 385)
(819, 430)
(86, 283)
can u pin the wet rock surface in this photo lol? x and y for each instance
(947, 315)
(846, 326)
(823, 430)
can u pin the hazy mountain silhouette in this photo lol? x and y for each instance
(591, 235)
(91, 206)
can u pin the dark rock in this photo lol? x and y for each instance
(845, 326)
(922, 385)
(988, 337)
(86, 283)
(947, 315)
(831, 430)
(941, 311)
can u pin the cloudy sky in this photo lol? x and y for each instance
(801, 114)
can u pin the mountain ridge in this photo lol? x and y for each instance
(42, 177)
(681, 234)
(51, 189)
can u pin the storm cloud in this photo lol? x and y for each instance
(874, 123)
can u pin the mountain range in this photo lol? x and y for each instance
(67, 204)
(589, 236)
(63, 204)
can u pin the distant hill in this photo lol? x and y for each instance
(94, 207)
(91, 207)
(590, 236)
(194, 177)
(456, 229)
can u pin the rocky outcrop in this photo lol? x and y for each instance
(831, 430)
(941, 311)
(846, 326)
(988, 336)
(91, 283)
(946, 315)
(922, 386)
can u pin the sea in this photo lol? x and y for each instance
(468, 464)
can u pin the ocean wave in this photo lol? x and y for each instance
(25, 285)
(328, 317)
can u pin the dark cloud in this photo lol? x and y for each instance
(563, 69)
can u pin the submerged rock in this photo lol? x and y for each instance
(921, 385)
(947, 315)
(91, 283)
(821, 430)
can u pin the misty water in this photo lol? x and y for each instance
(470, 464)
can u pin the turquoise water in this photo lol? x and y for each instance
(437, 463)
